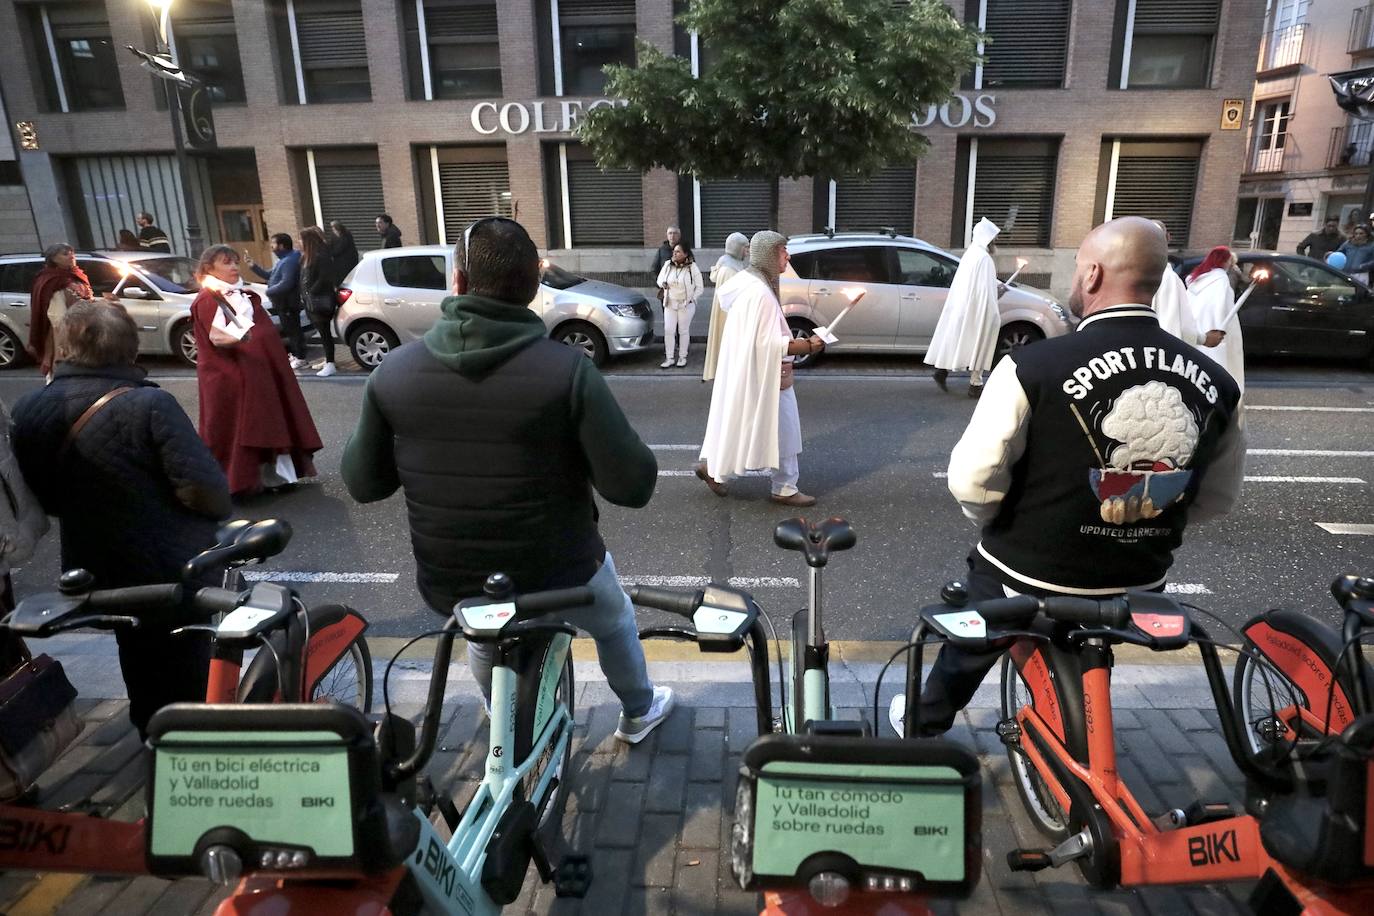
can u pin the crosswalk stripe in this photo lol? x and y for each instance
(1338, 528)
(1286, 408)
(702, 581)
(1311, 452)
(269, 575)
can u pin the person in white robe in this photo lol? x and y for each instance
(1212, 298)
(966, 335)
(1174, 308)
(753, 423)
(729, 264)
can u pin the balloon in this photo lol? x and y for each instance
(1336, 259)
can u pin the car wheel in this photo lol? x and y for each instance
(11, 349)
(1015, 336)
(184, 343)
(585, 338)
(370, 343)
(802, 329)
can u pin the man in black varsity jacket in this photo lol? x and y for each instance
(1089, 454)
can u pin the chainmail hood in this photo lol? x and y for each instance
(763, 256)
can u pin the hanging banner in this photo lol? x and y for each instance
(1355, 91)
(197, 119)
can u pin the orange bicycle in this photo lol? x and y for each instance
(1058, 729)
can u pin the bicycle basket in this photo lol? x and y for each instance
(287, 787)
(887, 815)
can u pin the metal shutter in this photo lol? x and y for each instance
(607, 207)
(331, 41)
(472, 21)
(596, 9)
(888, 199)
(739, 205)
(1030, 43)
(1016, 193)
(470, 191)
(1157, 187)
(352, 194)
(1177, 17)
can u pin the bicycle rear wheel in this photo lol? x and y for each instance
(1044, 809)
(348, 680)
(551, 805)
(1268, 704)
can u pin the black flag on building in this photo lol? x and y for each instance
(1355, 91)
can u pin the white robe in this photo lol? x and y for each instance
(743, 429)
(1174, 309)
(966, 334)
(1212, 298)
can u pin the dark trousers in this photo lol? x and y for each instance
(160, 668)
(324, 326)
(289, 313)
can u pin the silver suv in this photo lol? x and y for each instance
(156, 290)
(906, 281)
(393, 296)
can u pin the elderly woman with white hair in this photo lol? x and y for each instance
(726, 266)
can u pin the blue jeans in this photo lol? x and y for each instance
(610, 619)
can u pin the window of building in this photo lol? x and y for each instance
(1164, 44)
(9, 172)
(591, 207)
(331, 51)
(588, 35)
(736, 205)
(1271, 136)
(1029, 45)
(1012, 184)
(421, 271)
(454, 50)
(473, 183)
(208, 47)
(885, 201)
(1155, 179)
(345, 185)
(77, 56)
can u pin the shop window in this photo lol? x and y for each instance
(1156, 180)
(461, 53)
(605, 206)
(76, 57)
(1170, 44)
(332, 50)
(736, 205)
(1013, 186)
(473, 190)
(208, 46)
(348, 188)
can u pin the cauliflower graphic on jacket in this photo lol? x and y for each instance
(1157, 436)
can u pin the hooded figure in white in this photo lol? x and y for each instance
(966, 334)
(1175, 311)
(1212, 299)
(753, 423)
(729, 264)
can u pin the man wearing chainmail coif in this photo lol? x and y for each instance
(753, 424)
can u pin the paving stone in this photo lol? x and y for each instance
(649, 901)
(601, 724)
(632, 762)
(589, 781)
(701, 820)
(463, 728)
(1202, 776)
(93, 896)
(109, 732)
(1149, 756)
(1120, 903)
(1141, 787)
(1166, 732)
(742, 729)
(675, 734)
(735, 902)
(1190, 720)
(1213, 901)
(667, 781)
(695, 887)
(1128, 719)
(655, 855)
(1063, 894)
(213, 901)
(128, 750)
(710, 717)
(708, 755)
(137, 897)
(1165, 901)
(619, 823)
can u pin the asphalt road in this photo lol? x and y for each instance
(877, 433)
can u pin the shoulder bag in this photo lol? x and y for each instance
(37, 722)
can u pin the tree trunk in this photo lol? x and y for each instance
(773, 206)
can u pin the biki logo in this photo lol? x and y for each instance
(440, 867)
(22, 835)
(1213, 849)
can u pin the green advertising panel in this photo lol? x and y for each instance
(904, 818)
(277, 787)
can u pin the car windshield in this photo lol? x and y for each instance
(171, 275)
(558, 278)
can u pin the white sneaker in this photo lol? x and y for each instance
(896, 714)
(682, 361)
(666, 364)
(327, 371)
(633, 731)
(298, 363)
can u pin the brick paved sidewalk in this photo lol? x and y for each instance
(656, 817)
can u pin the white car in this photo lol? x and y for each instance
(392, 297)
(905, 282)
(156, 289)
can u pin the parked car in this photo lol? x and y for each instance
(906, 281)
(156, 289)
(1303, 307)
(393, 297)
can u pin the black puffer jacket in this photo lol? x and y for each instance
(138, 493)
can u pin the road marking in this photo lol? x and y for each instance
(1264, 479)
(702, 581)
(1337, 528)
(47, 895)
(658, 447)
(268, 575)
(1310, 452)
(693, 473)
(1250, 407)
(1186, 588)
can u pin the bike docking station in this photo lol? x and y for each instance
(828, 818)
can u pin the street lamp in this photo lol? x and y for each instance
(162, 11)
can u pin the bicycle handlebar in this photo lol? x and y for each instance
(682, 603)
(556, 600)
(135, 598)
(1112, 612)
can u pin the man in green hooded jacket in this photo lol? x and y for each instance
(498, 436)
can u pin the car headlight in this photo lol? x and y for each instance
(622, 310)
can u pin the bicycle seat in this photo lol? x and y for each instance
(817, 542)
(246, 543)
(1355, 594)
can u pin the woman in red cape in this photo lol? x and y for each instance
(252, 412)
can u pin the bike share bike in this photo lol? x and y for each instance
(337, 820)
(829, 819)
(1303, 836)
(311, 654)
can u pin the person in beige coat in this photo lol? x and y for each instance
(732, 262)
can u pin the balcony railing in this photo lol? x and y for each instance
(1350, 145)
(1362, 30)
(1283, 48)
(1268, 160)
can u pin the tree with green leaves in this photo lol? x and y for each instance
(795, 88)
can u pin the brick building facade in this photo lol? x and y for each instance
(438, 111)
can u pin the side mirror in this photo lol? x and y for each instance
(133, 292)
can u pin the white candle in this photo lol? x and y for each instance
(1256, 277)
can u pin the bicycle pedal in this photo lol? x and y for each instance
(1028, 860)
(574, 876)
(1207, 812)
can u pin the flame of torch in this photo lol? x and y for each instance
(1020, 263)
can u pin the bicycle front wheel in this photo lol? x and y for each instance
(1268, 705)
(1044, 809)
(551, 805)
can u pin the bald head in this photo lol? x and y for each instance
(1121, 261)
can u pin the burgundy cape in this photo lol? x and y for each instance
(45, 285)
(251, 407)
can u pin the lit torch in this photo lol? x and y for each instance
(1020, 264)
(1255, 278)
(853, 294)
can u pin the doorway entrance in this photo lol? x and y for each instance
(243, 228)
